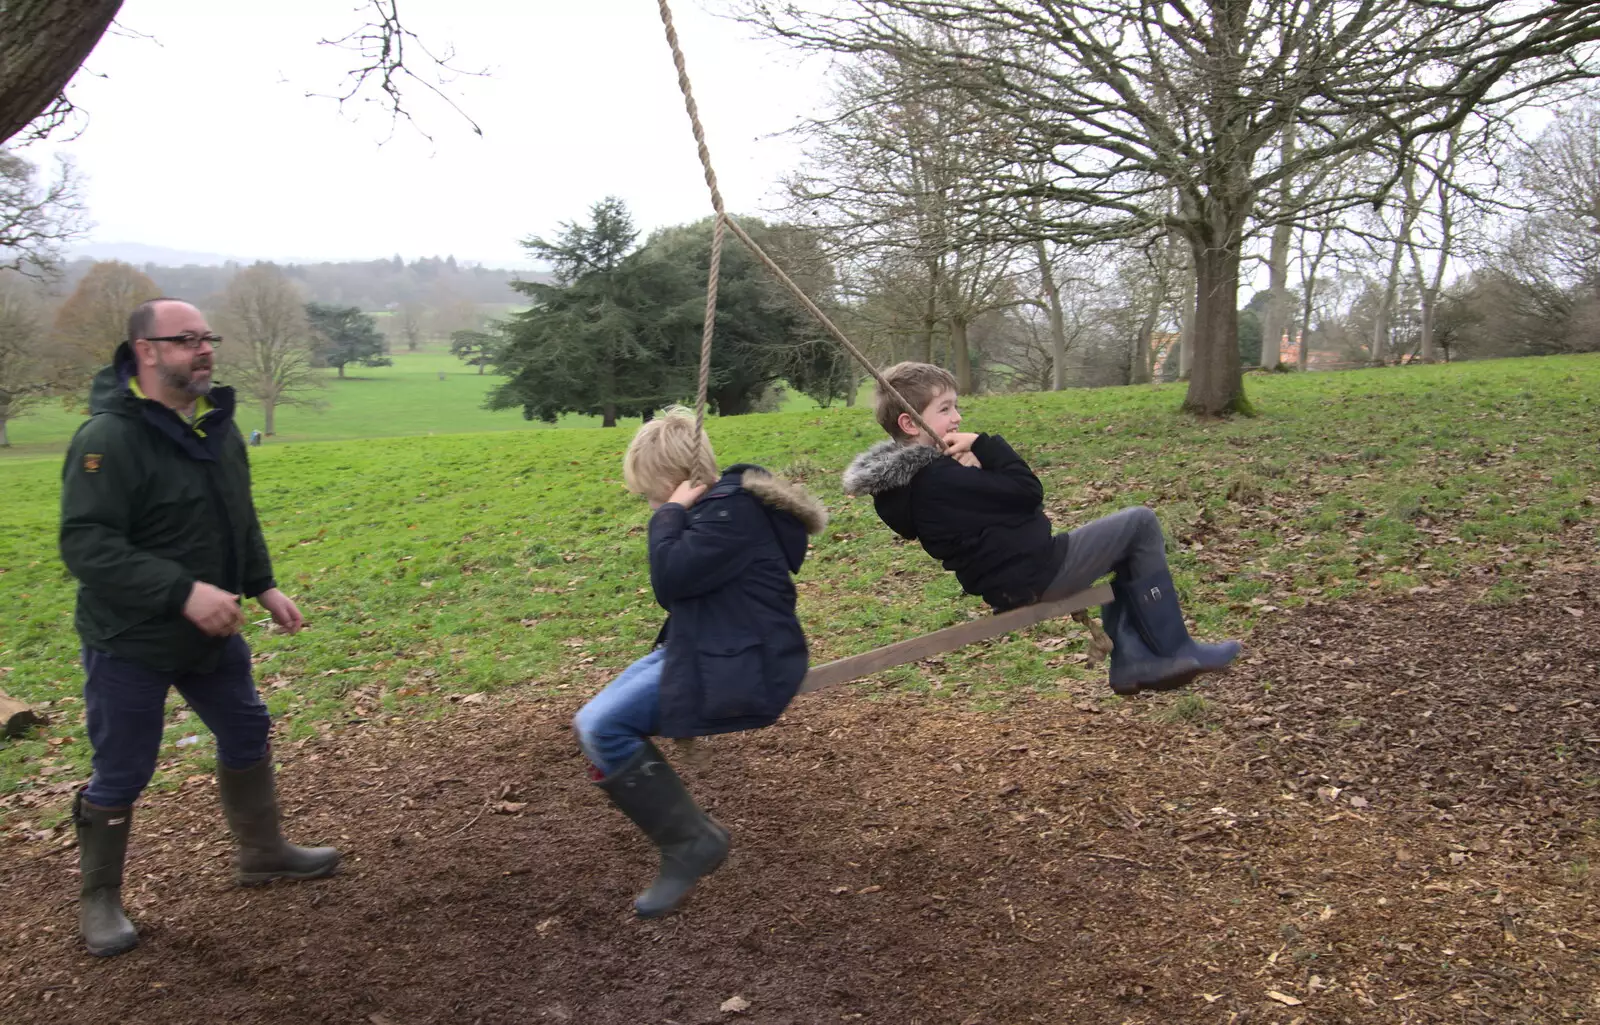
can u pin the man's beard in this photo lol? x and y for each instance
(181, 378)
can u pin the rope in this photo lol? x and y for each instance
(755, 250)
(716, 204)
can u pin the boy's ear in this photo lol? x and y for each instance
(908, 426)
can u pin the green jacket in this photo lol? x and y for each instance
(149, 505)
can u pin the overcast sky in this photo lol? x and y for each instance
(199, 135)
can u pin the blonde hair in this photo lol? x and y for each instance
(918, 383)
(666, 452)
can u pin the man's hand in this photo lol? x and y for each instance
(957, 442)
(284, 612)
(687, 493)
(216, 612)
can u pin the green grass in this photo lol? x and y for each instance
(432, 568)
(404, 400)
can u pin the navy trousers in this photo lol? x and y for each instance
(125, 704)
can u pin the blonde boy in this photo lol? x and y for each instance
(729, 657)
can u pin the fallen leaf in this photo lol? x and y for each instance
(509, 807)
(735, 1005)
(1284, 998)
(477, 698)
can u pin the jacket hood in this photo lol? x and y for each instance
(793, 511)
(886, 466)
(109, 392)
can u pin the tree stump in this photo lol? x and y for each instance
(17, 718)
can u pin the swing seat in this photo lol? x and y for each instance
(949, 639)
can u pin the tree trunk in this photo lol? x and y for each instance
(480, 369)
(5, 438)
(1216, 385)
(1139, 369)
(853, 385)
(1186, 330)
(1058, 327)
(341, 371)
(1278, 317)
(608, 414)
(960, 355)
(42, 45)
(1429, 301)
(1278, 314)
(269, 414)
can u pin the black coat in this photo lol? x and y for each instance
(149, 505)
(986, 524)
(735, 650)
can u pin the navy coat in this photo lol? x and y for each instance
(735, 651)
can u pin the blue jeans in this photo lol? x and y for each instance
(125, 704)
(614, 724)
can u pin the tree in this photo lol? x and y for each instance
(474, 348)
(412, 317)
(622, 337)
(343, 334)
(268, 341)
(579, 348)
(25, 376)
(43, 43)
(35, 220)
(93, 320)
(1125, 101)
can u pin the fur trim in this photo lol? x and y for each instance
(786, 496)
(886, 466)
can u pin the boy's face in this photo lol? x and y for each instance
(943, 414)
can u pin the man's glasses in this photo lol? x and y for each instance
(190, 341)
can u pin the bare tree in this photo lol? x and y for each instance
(25, 371)
(43, 43)
(1125, 101)
(892, 175)
(93, 320)
(267, 350)
(36, 219)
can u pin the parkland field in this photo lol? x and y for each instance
(1386, 813)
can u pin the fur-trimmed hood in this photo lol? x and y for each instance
(785, 496)
(886, 466)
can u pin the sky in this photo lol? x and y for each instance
(199, 135)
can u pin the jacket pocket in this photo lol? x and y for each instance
(733, 683)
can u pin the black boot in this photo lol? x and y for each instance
(691, 843)
(102, 848)
(250, 804)
(1152, 647)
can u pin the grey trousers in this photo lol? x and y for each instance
(1127, 542)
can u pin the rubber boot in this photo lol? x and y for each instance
(1162, 655)
(691, 843)
(102, 849)
(250, 804)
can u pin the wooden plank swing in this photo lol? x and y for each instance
(916, 648)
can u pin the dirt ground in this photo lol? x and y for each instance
(1388, 813)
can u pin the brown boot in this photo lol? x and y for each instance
(250, 803)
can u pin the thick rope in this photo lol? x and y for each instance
(716, 204)
(1099, 643)
(757, 251)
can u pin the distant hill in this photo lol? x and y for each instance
(373, 285)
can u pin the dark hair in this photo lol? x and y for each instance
(142, 321)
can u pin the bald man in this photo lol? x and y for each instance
(160, 530)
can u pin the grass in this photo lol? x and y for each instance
(432, 568)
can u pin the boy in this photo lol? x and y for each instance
(729, 657)
(977, 507)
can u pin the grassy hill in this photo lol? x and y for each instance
(436, 567)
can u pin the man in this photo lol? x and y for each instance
(159, 528)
